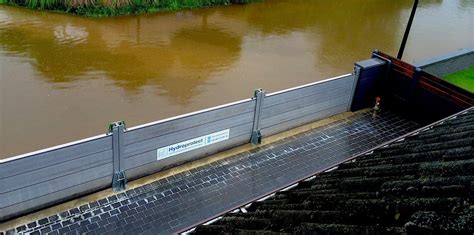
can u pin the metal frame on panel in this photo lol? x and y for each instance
(119, 179)
(357, 70)
(259, 96)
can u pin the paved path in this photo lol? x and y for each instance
(183, 200)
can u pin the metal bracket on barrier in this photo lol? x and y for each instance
(356, 73)
(256, 137)
(387, 71)
(119, 179)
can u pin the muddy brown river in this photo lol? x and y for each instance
(65, 77)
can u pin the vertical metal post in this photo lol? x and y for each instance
(259, 96)
(414, 83)
(386, 81)
(119, 179)
(407, 30)
(357, 70)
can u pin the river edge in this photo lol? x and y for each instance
(111, 8)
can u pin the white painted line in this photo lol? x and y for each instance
(289, 187)
(265, 198)
(331, 169)
(213, 220)
(310, 178)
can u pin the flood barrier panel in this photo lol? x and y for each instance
(48, 177)
(142, 144)
(294, 107)
(40, 179)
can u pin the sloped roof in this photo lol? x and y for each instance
(423, 184)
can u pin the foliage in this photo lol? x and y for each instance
(41, 4)
(464, 79)
(99, 8)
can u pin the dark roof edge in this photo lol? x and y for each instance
(367, 152)
(442, 58)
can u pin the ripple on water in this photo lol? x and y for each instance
(70, 34)
(7, 19)
(4, 19)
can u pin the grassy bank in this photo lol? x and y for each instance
(464, 79)
(99, 8)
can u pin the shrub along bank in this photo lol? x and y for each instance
(98, 8)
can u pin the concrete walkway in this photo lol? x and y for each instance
(189, 198)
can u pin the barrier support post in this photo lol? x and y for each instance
(119, 179)
(259, 96)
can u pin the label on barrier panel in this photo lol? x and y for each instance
(192, 144)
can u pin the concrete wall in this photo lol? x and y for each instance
(449, 63)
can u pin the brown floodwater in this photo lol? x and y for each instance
(65, 77)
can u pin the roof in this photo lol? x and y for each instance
(422, 184)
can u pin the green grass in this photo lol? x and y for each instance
(463, 78)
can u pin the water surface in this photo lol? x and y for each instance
(66, 77)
